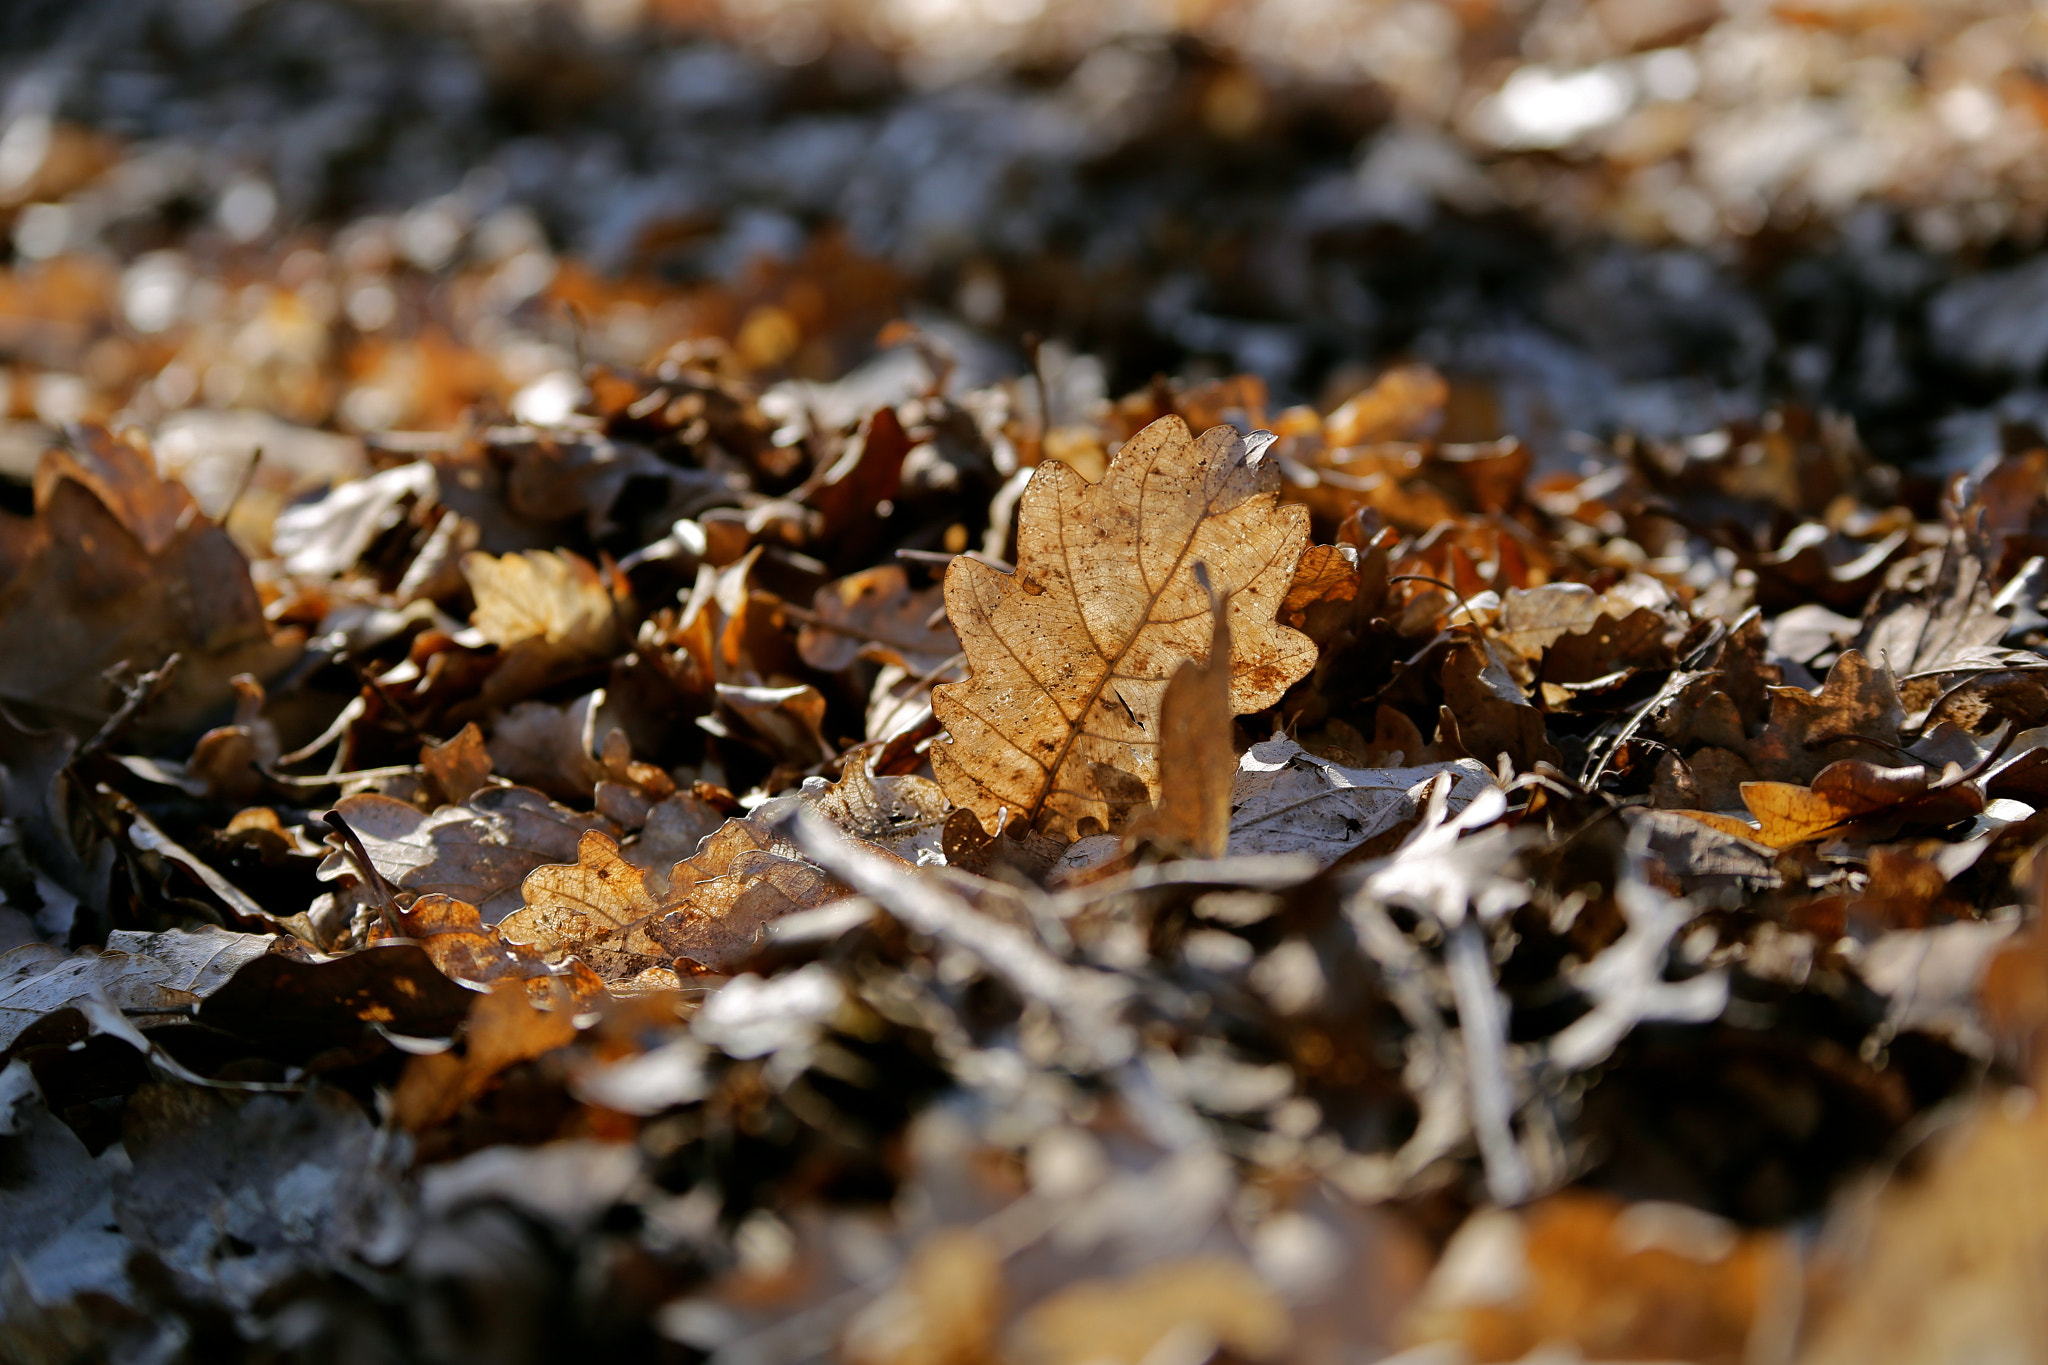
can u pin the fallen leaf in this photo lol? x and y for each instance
(602, 909)
(905, 816)
(1405, 403)
(1286, 800)
(459, 768)
(119, 569)
(504, 1028)
(467, 950)
(477, 852)
(164, 973)
(1058, 723)
(1196, 753)
(551, 613)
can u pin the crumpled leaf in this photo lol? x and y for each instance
(166, 972)
(1286, 800)
(324, 538)
(1071, 653)
(467, 950)
(476, 852)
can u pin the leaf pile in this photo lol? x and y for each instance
(879, 888)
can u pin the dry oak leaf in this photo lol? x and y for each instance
(467, 950)
(1070, 653)
(602, 909)
(1852, 789)
(551, 613)
(504, 1028)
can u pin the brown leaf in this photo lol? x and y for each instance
(504, 1028)
(467, 950)
(1486, 713)
(1405, 403)
(459, 768)
(549, 612)
(1197, 759)
(903, 816)
(1322, 598)
(1071, 653)
(847, 493)
(1805, 731)
(476, 852)
(119, 567)
(1853, 789)
(875, 615)
(1949, 621)
(602, 909)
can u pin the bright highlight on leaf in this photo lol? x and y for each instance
(1070, 654)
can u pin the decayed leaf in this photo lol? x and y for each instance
(1196, 755)
(875, 615)
(601, 908)
(1858, 704)
(1071, 653)
(165, 972)
(476, 852)
(1286, 800)
(1951, 621)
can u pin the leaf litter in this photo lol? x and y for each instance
(929, 869)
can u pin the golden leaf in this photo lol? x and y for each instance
(550, 613)
(558, 597)
(604, 910)
(1071, 653)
